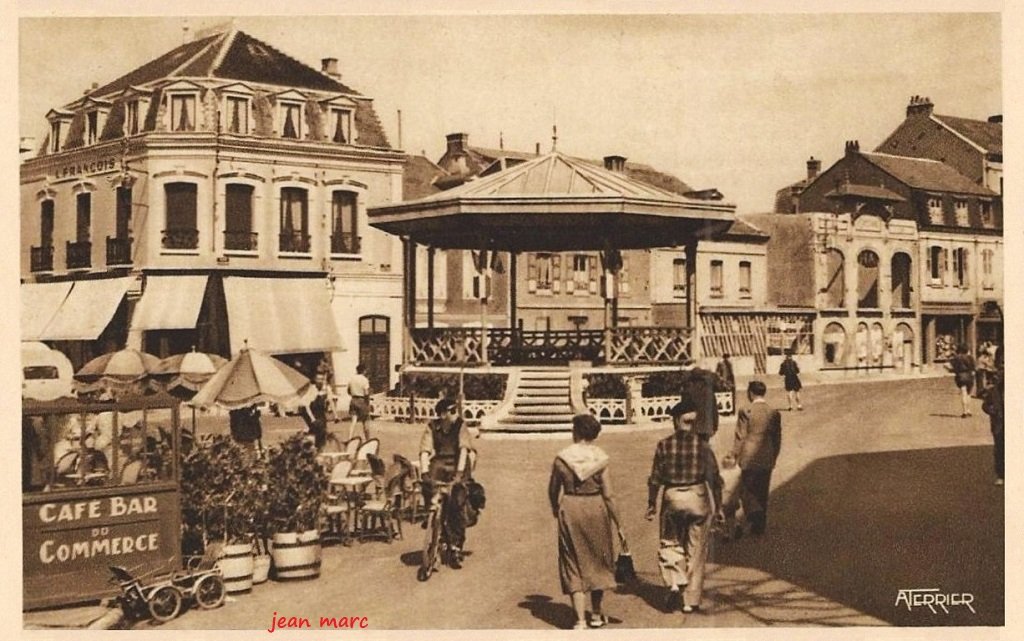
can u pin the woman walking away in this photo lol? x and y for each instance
(581, 499)
(790, 372)
(962, 366)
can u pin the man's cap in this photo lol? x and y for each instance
(684, 406)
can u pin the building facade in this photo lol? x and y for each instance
(212, 198)
(949, 275)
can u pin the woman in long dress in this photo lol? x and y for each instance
(581, 499)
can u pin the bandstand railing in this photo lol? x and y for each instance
(626, 345)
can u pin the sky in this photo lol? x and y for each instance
(735, 102)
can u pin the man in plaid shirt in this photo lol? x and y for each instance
(685, 472)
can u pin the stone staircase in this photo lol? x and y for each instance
(541, 403)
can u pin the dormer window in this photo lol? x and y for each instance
(341, 126)
(132, 125)
(960, 207)
(987, 219)
(236, 119)
(291, 120)
(935, 210)
(56, 134)
(183, 112)
(60, 123)
(92, 127)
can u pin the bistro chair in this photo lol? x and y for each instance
(412, 487)
(361, 464)
(336, 507)
(352, 447)
(381, 516)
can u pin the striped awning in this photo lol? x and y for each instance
(39, 304)
(280, 315)
(87, 310)
(170, 302)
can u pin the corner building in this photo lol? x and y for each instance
(211, 198)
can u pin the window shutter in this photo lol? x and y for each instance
(624, 275)
(570, 286)
(928, 262)
(965, 257)
(592, 268)
(945, 266)
(556, 273)
(531, 273)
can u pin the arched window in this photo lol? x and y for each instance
(867, 279)
(901, 271)
(344, 223)
(835, 280)
(834, 339)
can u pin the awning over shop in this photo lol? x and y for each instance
(170, 302)
(280, 315)
(39, 304)
(87, 310)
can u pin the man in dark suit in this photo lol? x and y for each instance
(699, 387)
(756, 448)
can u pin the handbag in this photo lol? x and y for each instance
(624, 570)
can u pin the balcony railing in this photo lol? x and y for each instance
(181, 239)
(79, 254)
(42, 258)
(119, 251)
(294, 241)
(240, 240)
(345, 243)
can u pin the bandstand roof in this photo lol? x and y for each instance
(554, 203)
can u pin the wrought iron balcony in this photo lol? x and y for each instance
(345, 243)
(181, 239)
(240, 240)
(119, 251)
(79, 254)
(294, 241)
(42, 259)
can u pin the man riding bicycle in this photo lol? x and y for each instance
(446, 456)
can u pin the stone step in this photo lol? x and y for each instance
(537, 418)
(543, 384)
(530, 376)
(528, 428)
(542, 409)
(541, 400)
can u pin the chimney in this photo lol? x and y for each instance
(996, 119)
(615, 163)
(813, 168)
(852, 147)
(330, 67)
(920, 106)
(93, 87)
(457, 144)
(536, 150)
(26, 147)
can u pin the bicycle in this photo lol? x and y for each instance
(436, 545)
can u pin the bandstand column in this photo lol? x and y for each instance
(513, 296)
(691, 296)
(430, 287)
(406, 303)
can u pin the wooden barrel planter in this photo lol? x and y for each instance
(237, 566)
(261, 569)
(296, 555)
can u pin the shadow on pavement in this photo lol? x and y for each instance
(857, 529)
(557, 614)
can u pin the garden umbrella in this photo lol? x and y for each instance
(117, 372)
(190, 370)
(255, 377)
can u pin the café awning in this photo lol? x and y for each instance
(170, 302)
(87, 310)
(39, 304)
(280, 315)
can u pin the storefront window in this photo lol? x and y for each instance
(834, 340)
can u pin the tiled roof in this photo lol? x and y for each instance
(484, 156)
(865, 191)
(161, 67)
(233, 55)
(987, 135)
(418, 178)
(930, 175)
(742, 227)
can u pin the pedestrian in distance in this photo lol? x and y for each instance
(699, 387)
(993, 406)
(725, 373)
(790, 373)
(315, 414)
(962, 366)
(986, 367)
(581, 497)
(685, 474)
(756, 448)
(359, 406)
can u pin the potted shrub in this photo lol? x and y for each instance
(295, 492)
(223, 490)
